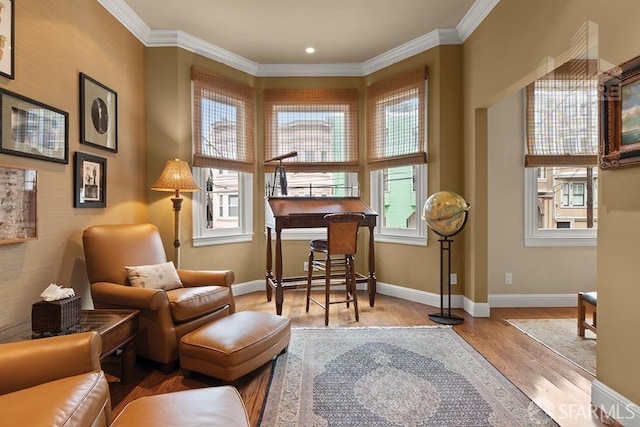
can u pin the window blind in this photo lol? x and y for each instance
(223, 122)
(396, 120)
(562, 117)
(320, 124)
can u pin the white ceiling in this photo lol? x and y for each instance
(269, 37)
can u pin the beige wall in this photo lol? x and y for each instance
(536, 270)
(501, 57)
(169, 127)
(54, 42)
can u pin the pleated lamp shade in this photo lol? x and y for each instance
(176, 175)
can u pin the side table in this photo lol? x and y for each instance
(117, 329)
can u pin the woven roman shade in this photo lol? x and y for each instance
(562, 117)
(396, 121)
(223, 122)
(320, 124)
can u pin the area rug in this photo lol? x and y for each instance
(419, 376)
(560, 335)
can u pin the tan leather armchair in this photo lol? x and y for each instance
(165, 316)
(54, 381)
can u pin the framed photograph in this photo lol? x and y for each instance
(620, 116)
(32, 129)
(98, 114)
(18, 210)
(7, 52)
(90, 181)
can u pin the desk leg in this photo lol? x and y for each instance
(371, 281)
(279, 290)
(269, 275)
(128, 362)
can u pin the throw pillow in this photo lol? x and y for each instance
(157, 276)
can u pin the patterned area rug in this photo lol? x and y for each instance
(560, 335)
(420, 376)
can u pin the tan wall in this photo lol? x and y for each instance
(536, 270)
(169, 124)
(500, 58)
(54, 42)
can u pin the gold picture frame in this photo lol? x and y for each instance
(619, 98)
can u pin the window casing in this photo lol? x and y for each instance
(398, 195)
(222, 212)
(556, 211)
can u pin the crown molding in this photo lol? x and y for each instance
(175, 38)
(310, 70)
(474, 16)
(127, 17)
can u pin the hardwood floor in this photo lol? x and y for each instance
(555, 384)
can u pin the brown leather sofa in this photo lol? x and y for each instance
(57, 381)
(165, 316)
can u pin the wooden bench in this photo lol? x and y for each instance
(590, 300)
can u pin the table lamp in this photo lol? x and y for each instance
(176, 176)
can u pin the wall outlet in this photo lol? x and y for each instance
(305, 266)
(508, 279)
(453, 278)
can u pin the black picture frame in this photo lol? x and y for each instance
(619, 94)
(7, 34)
(90, 181)
(98, 114)
(29, 128)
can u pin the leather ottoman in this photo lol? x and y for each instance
(212, 406)
(233, 346)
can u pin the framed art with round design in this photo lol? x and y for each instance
(98, 114)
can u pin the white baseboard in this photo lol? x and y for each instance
(533, 300)
(475, 309)
(615, 405)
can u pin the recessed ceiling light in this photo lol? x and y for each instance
(310, 50)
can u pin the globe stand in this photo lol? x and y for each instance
(442, 317)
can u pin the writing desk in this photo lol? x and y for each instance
(308, 212)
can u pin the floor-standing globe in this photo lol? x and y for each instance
(445, 213)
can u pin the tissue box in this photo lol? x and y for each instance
(55, 316)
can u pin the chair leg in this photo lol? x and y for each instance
(352, 285)
(581, 315)
(346, 282)
(327, 289)
(309, 276)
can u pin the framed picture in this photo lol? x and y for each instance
(90, 181)
(98, 114)
(620, 116)
(32, 129)
(7, 52)
(18, 210)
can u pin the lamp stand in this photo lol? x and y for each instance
(177, 206)
(442, 317)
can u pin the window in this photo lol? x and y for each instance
(566, 199)
(223, 135)
(321, 126)
(396, 153)
(561, 154)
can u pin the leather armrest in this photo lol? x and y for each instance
(191, 278)
(25, 364)
(129, 296)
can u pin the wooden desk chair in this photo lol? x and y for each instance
(339, 249)
(586, 299)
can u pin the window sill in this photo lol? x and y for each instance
(401, 240)
(222, 240)
(560, 242)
